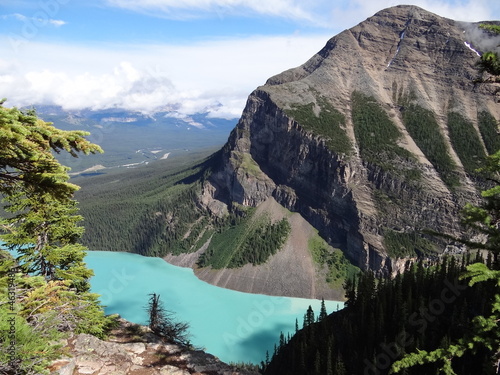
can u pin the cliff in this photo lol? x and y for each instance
(133, 349)
(304, 137)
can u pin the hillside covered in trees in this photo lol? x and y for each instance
(424, 308)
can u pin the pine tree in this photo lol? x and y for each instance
(163, 323)
(322, 313)
(309, 317)
(42, 226)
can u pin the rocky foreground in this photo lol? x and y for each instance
(133, 349)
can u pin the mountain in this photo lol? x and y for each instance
(131, 139)
(338, 164)
(374, 138)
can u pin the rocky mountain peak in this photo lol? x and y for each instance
(366, 139)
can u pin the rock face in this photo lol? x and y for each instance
(402, 59)
(132, 349)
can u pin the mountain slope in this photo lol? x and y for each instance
(344, 138)
(374, 139)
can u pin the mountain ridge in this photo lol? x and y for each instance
(373, 140)
(332, 76)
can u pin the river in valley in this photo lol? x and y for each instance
(234, 326)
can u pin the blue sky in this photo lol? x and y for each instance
(183, 55)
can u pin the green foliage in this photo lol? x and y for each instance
(261, 243)
(490, 63)
(45, 232)
(26, 154)
(328, 123)
(25, 349)
(50, 296)
(245, 161)
(44, 312)
(43, 221)
(377, 138)
(407, 244)
(488, 126)
(338, 267)
(424, 130)
(484, 335)
(493, 28)
(417, 311)
(245, 239)
(485, 218)
(466, 142)
(163, 323)
(479, 272)
(149, 211)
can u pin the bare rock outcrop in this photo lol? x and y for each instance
(132, 349)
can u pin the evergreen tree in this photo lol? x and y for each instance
(163, 323)
(51, 294)
(43, 226)
(322, 313)
(309, 317)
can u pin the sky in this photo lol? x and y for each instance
(185, 56)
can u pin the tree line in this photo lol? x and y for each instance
(426, 307)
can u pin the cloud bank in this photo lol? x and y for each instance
(214, 77)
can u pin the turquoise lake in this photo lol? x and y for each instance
(234, 326)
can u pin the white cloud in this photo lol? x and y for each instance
(184, 9)
(57, 23)
(215, 76)
(17, 16)
(38, 20)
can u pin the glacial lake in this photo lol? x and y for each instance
(234, 326)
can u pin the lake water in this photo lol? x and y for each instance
(234, 326)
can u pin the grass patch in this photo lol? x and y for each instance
(338, 267)
(247, 163)
(328, 123)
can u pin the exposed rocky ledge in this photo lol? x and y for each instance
(133, 349)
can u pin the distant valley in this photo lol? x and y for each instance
(133, 139)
